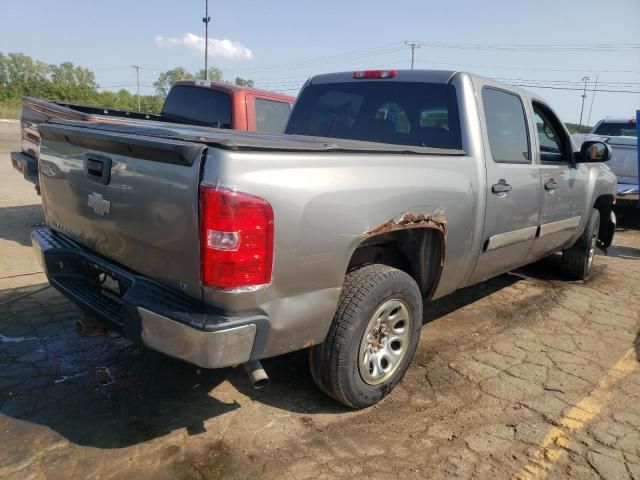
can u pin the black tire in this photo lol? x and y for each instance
(334, 364)
(578, 259)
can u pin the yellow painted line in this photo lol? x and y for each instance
(552, 447)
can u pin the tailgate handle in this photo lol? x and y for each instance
(98, 169)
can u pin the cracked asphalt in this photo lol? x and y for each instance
(525, 376)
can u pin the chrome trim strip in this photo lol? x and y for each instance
(509, 238)
(559, 226)
(222, 348)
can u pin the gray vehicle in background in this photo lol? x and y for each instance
(389, 188)
(622, 136)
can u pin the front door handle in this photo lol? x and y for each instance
(551, 185)
(501, 188)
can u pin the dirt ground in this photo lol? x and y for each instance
(526, 376)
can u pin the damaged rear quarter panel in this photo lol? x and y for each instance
(325, 205)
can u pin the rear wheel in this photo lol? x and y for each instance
(373, 337)
(578, 259)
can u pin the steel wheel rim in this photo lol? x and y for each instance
(385, 341)
(592, 249)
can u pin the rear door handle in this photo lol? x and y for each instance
(551, 185)
(501, 188)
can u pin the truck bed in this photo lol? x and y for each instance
(246, 141)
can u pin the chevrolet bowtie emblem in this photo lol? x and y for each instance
(98, 203)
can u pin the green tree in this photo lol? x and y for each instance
(244, 82)
(215, 74)
(168, 78)
(20, 76)
(73, 83)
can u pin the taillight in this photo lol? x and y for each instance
(236, 238)
(369, 74)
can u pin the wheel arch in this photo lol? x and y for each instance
(604, 204)
(418, 251)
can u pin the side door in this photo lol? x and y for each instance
(513, 184)
(563, 184)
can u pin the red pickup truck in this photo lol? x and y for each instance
(192, 102)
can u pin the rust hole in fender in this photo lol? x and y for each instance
(437, 221)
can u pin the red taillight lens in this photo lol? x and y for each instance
(236, 238)
(369, 74)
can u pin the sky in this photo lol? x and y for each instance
(547, 43)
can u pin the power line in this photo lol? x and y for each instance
(413, 46)
(573, 89)
(584, 95)
(533, 47)
(137, 68)
(592, 98)
(394, 47)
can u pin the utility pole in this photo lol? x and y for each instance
(593, 95)
(584, 95)
(206, 19)
(137, 67)
(413, 46)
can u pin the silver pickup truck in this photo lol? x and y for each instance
(389, 188)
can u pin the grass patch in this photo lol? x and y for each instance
(10, 109)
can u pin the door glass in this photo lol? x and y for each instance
(549, 137)
(506, 126)
(271, 115)
(399, 113)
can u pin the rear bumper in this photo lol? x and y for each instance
(146, 311)
(26, 165)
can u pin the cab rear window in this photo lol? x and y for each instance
(400, 113)
(199, 105)
(617, 129)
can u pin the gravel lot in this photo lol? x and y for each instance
(525, 376)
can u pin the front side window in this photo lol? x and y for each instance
(380, 111)
(271, 115)
(506, 126)
(551, 137)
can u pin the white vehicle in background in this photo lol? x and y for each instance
(622, 136)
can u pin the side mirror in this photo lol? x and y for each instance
(594, 151)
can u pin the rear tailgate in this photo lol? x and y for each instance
(130, 198)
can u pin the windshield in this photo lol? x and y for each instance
(617, 129)
(200, 105)
(400, 113)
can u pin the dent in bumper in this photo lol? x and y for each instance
(215, 349)
(158, 316)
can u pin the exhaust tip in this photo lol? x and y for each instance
(88, 326)
(257, 376)
(81, 328)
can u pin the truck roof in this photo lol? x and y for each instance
(427, 76)
(230, 88)
(618, 120)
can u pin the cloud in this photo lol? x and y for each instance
(217, 48)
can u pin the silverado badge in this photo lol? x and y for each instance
(98, 203)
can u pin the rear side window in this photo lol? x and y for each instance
(271, 115)
(506, 126)
(199, 105)
(617, 129)
(400, 113)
